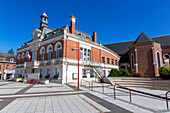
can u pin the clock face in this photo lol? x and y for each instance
(36, 35)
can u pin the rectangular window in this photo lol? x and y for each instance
(85, 54)
(108, 72)
(21, 72)
(48, 72)
(40, 72)
(104, 72)
(91, 74)
(25, 71)
(16, 72)
(81, 53)
(84, 73)
(88, 55)
(108, 61)
(112, 62)
(13, 67)
(103, 59)
(7, 67)
(115, 62)
(57, 72)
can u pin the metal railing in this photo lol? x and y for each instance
(124, 88)
(85, 81)
(101, 84)
(167, 99)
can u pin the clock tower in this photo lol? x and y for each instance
(43, 21)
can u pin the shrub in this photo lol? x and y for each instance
(19, 76)
(91, 76)
(55, 77)
(119, 73)
(136, 75)
(43, 79)
(124, 72)
(47, 77)
(164, 72)
(114, 73)
(84, 76)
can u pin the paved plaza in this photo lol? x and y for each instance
(58, 98)
(51, 98)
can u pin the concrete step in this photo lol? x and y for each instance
(147, 83)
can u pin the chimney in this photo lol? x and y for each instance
(72, 24)
(95, 37)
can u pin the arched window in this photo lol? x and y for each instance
(22, 57)
(27, 55)
(158, 59)
(58, 49)
(132, 61)
(42, 52)
(50, 53)
(18, 58)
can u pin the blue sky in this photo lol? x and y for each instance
(113, 20)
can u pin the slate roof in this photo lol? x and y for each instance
(143, 38)
(122, 47)
(8, 56)
(164, 40)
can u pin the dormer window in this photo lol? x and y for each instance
(11, 60)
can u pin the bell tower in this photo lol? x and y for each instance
(43, 21)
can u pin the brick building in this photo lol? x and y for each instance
(7, 65)
(144, 55)
(54, 53)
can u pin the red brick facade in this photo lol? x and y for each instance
(95, 54)
(145, 59)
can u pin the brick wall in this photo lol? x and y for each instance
(144, 58)
(95, 54)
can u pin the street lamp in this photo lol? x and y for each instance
(75, 49)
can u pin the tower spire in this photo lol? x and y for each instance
(43, 21)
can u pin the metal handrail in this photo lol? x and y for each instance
(167, 99)
(122, 87)
(85, 81)
(101, 84)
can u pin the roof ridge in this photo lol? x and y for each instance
(143, 38)
(119, 42)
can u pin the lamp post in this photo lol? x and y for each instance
(78, 61)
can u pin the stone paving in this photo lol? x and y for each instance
(53, 104)
(51, 98)
(48, 88)
(141, 103)
(11, 88)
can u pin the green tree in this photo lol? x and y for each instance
(11, 51)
